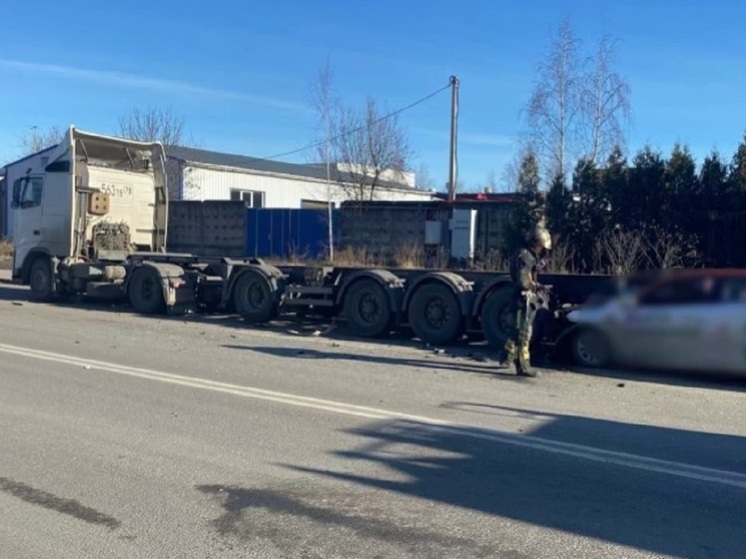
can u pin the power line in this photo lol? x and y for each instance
(359, 128)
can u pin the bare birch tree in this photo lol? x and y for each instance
(370, 148)
(579, 106)
(155, 125)
(361, 147)
(606, 104)
(37, 140)
(424, 179)
(326, 105)
(161, 125)
(554, 110)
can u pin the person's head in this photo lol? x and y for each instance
(539, 240)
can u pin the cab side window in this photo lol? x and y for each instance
(28, 192)
(33, 193)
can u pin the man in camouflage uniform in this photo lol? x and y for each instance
(524, 266)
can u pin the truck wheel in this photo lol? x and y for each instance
(253, 299)
(145, 291)
(435, 314)
(367, 309)
(41, 279)
(497, 317)
(590, 349)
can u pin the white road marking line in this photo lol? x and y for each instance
(677, 469)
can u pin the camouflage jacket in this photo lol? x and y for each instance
(524, 269)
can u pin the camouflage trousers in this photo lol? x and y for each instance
(519, 340)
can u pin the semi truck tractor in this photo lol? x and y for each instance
(90, 220)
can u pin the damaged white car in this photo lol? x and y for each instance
(692, 320)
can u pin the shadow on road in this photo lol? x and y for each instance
(718, 451)
(251, 513)
(492, 369)
(500, 474)
(13, 294)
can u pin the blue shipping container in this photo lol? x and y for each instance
(289, 233)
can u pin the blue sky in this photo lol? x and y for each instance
(239, 71)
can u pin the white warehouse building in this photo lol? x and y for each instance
(196, 174)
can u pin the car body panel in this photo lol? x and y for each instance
(690, 320)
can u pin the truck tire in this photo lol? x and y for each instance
(497, 317)
(41, 279)
(435, 314)
(145, 291)
(590, 348)
(253, 298)
(367, 309)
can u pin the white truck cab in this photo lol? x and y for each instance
(83, 206)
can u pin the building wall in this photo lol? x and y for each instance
(213, 228)
(382, 232)
(224, 228)
(387, 231)
(201, 184)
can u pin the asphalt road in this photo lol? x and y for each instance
(129, 436)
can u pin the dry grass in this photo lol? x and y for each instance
(493, 261)
(409, 256)
(6, 249)
(345, 257)
(405, 256)
(351, 256)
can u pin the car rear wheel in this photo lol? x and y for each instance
(590, 348)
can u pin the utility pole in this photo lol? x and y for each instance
(453, 166)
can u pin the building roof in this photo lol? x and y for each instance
(311, 170)
(486, 197)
